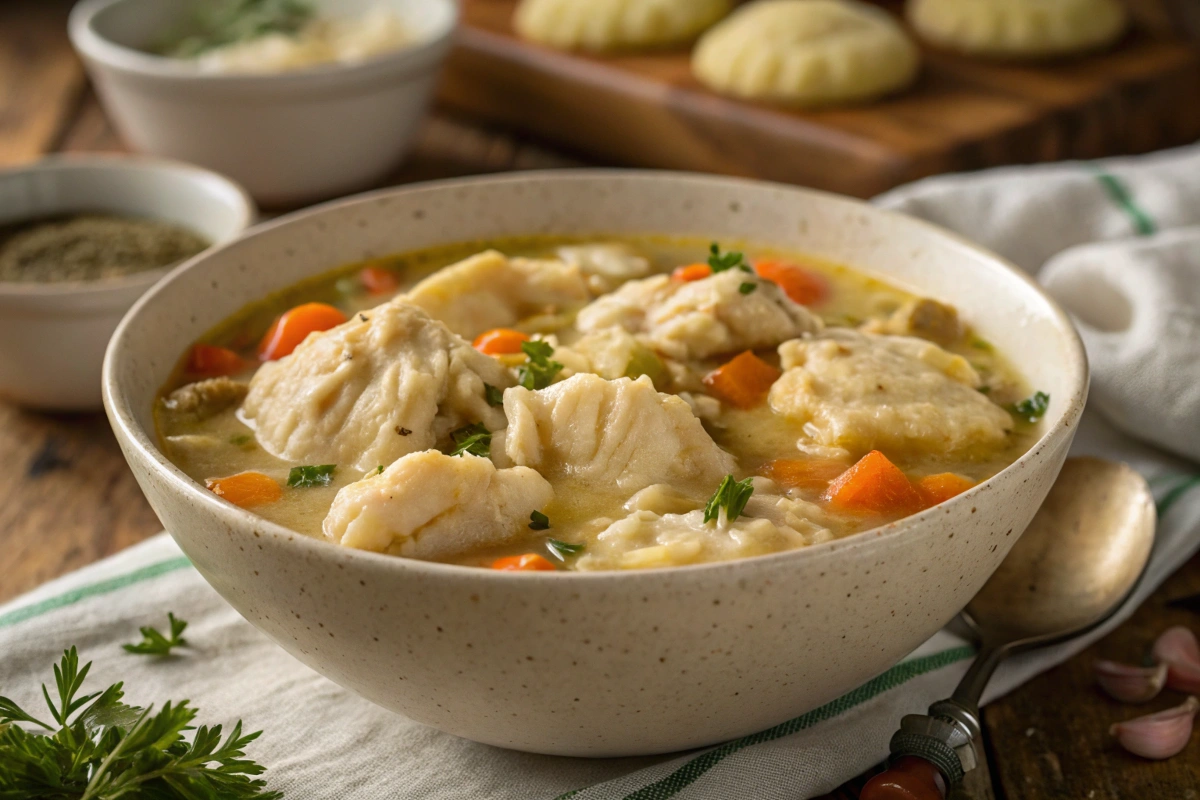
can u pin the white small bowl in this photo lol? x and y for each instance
(289, 137)
(53, 335)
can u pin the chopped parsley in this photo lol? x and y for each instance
(495, 397)
(316, 475)
(562, 550)
(747, 287)
(379, 470)
(984, 390)
(539, 521)
(719, 262)
(241, 440)
(154, 643)
(732, 496)
(538, 371)
(1032, 408)
(474, 439)
(981, 344)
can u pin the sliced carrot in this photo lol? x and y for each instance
(213, 362)
(529, 562)
(294, 326)
(378, 280)
(692, 272)
(500, 341)
(814, 473)
(803, 286)
(875, 486)
(941, 487)
(246, 489)
(742, 382)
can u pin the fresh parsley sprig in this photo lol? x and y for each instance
(154, 643)
(732, 496)
(720, 262)
(99, 748)
(309, 476)
(538, 371)
(474, 439)
(494, 395)
(539, 521)
(1031, 409)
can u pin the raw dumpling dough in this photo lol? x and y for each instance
(616, 24)
(610, 435)
(389, 382)
(861, 392)
(430, 505)
(806, 52)
(1018, 28)
(490, 290)
(698, 319)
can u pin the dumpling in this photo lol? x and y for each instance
(490, 290)
(387, 383)
(1019, 28)
(606, 265)
(430, 505)
(697, 319)
(861, 391)
(807, 52)
(608, 435)
(612, 353)
(616, 24)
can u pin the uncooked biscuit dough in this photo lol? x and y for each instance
(616, 24)
(807, 53)
(1018, 28)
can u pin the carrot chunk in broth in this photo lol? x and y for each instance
(294, 326)
(814, 474)
(692, 272)
(529, 562)
(874, 486)
(742, 382)
(209, 361)
(246, 489)
(801, 285)
(941, 487)
(500, 341)
(378, 280)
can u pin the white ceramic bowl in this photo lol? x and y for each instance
(600, 664)
(290, 137)
(53, 335)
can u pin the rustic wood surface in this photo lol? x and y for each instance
(647, 110)
(68, 498)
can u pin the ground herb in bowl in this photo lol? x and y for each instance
(85, 247)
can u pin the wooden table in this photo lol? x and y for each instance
(68, 498)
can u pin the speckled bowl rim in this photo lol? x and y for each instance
(243, 207)
(122, 418)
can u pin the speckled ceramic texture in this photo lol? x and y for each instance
(600, 664)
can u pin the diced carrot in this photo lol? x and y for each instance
(500, 341)
(246, 489)
(803, 286)
(378, 280)
(742, 382)
(692, 272)
(875, 486)
(294, 326)
(813, 473)
(529, 562)
(213, 362)
(941, 487)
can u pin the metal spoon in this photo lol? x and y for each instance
(1070, 571)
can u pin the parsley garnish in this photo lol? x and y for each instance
(379, 470)
(241, 440)
(538, 371)
(317, 475)
(154, 643)
(981, 344)
(1033, 408)
(474, 439)
(984, 390)
(722, 261)
(539, 521)
(495, 397)
(747, 287)
(732, 496)
(563, 549)
(101, 749)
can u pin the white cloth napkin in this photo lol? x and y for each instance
(320, 741)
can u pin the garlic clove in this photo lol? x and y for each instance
(1179, 650)
(1158, 736)
(1130, 684)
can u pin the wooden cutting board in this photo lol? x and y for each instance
(647, 110)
